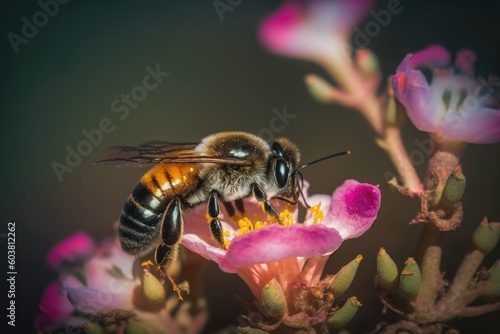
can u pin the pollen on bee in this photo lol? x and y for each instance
(146, 263)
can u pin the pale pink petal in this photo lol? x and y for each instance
(109, 259)
(354, 208)
(88, 300)
(413, 91)
(480, 126)
(76, 248)
(276, 243)
(312, 29)
(314, 200)
(214, 253)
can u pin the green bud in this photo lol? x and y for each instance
(486, 236)
(319, 88)
(491, 288)
(273, 299)
(154, 291)
(342, 281)
(387, 271)
(367, 62)
(135, 327)
(93, 328)
(454, 188)
(409, 280)
(343, 315)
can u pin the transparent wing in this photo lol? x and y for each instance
(159, 152)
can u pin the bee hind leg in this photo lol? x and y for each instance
(215, 225)
(171, 229)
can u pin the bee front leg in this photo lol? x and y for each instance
(268, 207)
(172, 226)
(215, 225)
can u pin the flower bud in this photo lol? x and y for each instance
(387, 271)
(454, 188)
(367, 63)
(273, 299)
(93, 328)
(342, 281)
(134, 327)
(486, 236)
(343, 315)
(152, 288)
(409, 280)
(319, 88)
(491, 288)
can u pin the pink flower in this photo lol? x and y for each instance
(103, 291)
(453, 105)
(74, 249)
(312, 29)
(260, 251)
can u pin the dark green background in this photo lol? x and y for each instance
(64, 80)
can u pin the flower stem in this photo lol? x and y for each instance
(429, 258)
(343, 70)
(443, 161)
(461, 282)
(394, 147)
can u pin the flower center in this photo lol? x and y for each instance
(247, 225)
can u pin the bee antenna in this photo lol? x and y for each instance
(321, 159)
(301, 187)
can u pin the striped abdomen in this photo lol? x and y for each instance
(139, 222)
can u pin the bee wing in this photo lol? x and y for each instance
(159, 152)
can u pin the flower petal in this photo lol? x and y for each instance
(278, 31)
(196, 244)
(276, 243)
(91, 301)
(465, 60)
(314, 200)
(75, 248)
(432, 56)
(480, 126)
(313, 29)
(354, 208)
(54, 308)
(413, 91)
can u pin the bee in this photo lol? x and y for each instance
(224, 167)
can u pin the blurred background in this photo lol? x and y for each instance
(65, 78)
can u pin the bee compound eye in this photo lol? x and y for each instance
(281, 172)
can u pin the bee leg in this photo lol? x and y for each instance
(268, 207)
(215, 225)
(240, 206)
(171, 233)
(229, 208)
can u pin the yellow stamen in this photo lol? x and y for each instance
(246, 225)
(317, 213)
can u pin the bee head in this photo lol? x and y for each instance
(281, 166)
